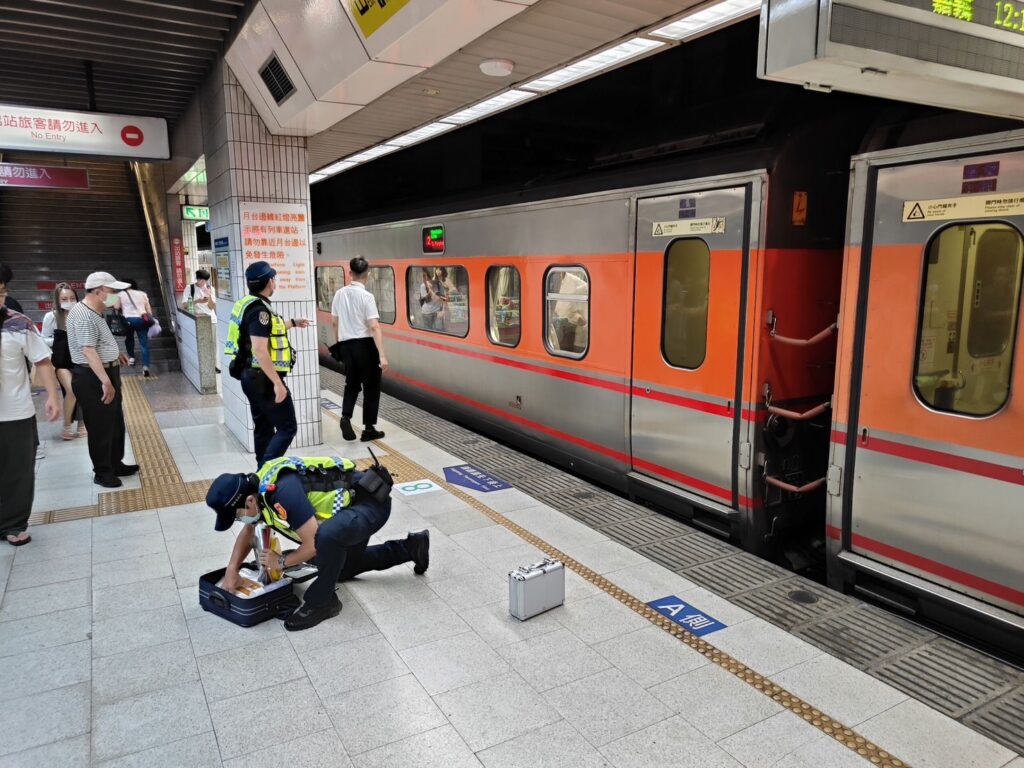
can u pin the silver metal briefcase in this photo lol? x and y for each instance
(536, 588)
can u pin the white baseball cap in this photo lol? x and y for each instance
(104, 279)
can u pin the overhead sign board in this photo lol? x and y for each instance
(195, 212)
(50, 177)
(41, 129)
(371, 15)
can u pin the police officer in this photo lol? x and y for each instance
(261, 357)
(327, 508)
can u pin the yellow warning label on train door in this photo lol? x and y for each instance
(964, 207)
(371, 15)
(710, 226)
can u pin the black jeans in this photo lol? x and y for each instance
(18, 459)
(342, 552)
(274, 424)
(362, 370)
(104, 422)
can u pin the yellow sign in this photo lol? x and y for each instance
(711, 226)
(371, 15)
(966, 207)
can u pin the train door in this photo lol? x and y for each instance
(691, 266)
(933, 448)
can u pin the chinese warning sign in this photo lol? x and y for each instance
(42, 129)
(178, 263)
(969, 207)
(12, 175)
(371, 15)
(278, 233)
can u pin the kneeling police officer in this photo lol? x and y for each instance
(327, 508)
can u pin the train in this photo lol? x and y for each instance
(807, 347)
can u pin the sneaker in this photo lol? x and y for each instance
(306, 616)
(346, 429)
(418, 545)
(125, 470)
(131, 361)
(145, 371)
(107, 481)
(371, 433)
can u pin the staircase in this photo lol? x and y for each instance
(49, 236)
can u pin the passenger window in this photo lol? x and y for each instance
(328, 281)
(968, 320)
(382, 285)
(438, 298)
(567, 311)
(684, 331)
(504, 292)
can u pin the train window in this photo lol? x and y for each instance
(328, 281)
(382, 285)
(504, 293)
(684, 329)
(968, 319)
(567, 311)
(438, 298)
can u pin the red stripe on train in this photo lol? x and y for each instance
(933, 567)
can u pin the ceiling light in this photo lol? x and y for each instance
(333, 168)
(606, 59)
(424, 132)
(491, 105)
(497, 67)
(372, 153)
(708, 18)
(315, 177)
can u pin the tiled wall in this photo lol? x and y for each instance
(245, 163)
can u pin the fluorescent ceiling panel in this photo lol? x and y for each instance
(707, 18)
(494, 104)
(372, 153)
(606, 59)
(420, 134)
(315, 177)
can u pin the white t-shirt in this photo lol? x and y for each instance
(201, 293)
(136, 309)
(354, 306)
(19, 339)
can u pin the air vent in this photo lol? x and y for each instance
(277, 80)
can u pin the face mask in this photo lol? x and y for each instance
(110, 299)
(249, 520)
(67, 305)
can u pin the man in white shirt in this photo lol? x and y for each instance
(360, 349)
(20, 340)
(200, 293)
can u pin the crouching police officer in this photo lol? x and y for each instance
(327, 508)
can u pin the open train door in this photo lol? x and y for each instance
(927, 478)
(692, 250)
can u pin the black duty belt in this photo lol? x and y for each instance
(111, 364)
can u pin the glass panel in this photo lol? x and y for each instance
(382, 285)
(684, 332)
(567, 311)
(329, 280)
(439, 298)
(968, 319)
(504, 293)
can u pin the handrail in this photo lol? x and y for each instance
(805, 488)
(795, 416)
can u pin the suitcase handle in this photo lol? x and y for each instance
(219, 600)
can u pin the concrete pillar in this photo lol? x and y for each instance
(245, 163)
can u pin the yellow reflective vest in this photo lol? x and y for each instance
(281, 355)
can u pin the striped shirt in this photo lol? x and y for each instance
(87, 328)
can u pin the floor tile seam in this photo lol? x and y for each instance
(824, 723)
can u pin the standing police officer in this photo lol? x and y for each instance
(261, 357)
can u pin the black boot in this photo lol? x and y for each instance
(371, 433)
(346, 429)
(418, 545)
(306, 616)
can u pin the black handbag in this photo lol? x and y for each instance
(117, 323)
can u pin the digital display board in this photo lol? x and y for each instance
(433, 239)
(988, 13)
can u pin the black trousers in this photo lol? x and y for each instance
(362, 371)
(274, 424)
(18, 459)
(104, 422)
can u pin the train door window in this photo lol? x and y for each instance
(438, 298)
(504, 295)
(382, 285)
(968, 319)
(684, 330)
(567, 311)
(328, 281)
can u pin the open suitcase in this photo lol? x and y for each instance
(249, 611)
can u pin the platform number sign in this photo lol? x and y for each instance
(693, 620)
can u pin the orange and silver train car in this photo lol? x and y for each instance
(712, 345)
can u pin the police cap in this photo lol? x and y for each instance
(226, 495)
(259, 270)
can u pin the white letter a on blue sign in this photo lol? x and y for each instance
(671, 610)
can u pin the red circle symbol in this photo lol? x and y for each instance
(132, 135)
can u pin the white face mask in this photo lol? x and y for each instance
(67, 305)
(110, 299)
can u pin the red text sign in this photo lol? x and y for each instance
(12, 175)
(178, 261)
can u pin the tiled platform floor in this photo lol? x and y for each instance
(110, 661)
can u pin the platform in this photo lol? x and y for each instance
(110, 661)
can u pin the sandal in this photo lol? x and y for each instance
(68, 434)
(14, 541)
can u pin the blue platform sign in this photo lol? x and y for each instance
(329, 404)
(694, 621)
(474, 478)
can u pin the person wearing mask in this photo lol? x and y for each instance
(55, 334)
(96, 378)
(20, 341)
(261, 356)
(360, 349)
(198, 298)
(134, 305)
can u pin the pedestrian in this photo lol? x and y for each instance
(55, 334)
(360, 349)
(198, 298)
(20, 340)
(96, 378)
(332, 528)
(134, 305)
(261, 357)
(13, 304)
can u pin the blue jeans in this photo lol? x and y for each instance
(274, 424)
(138, 327)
